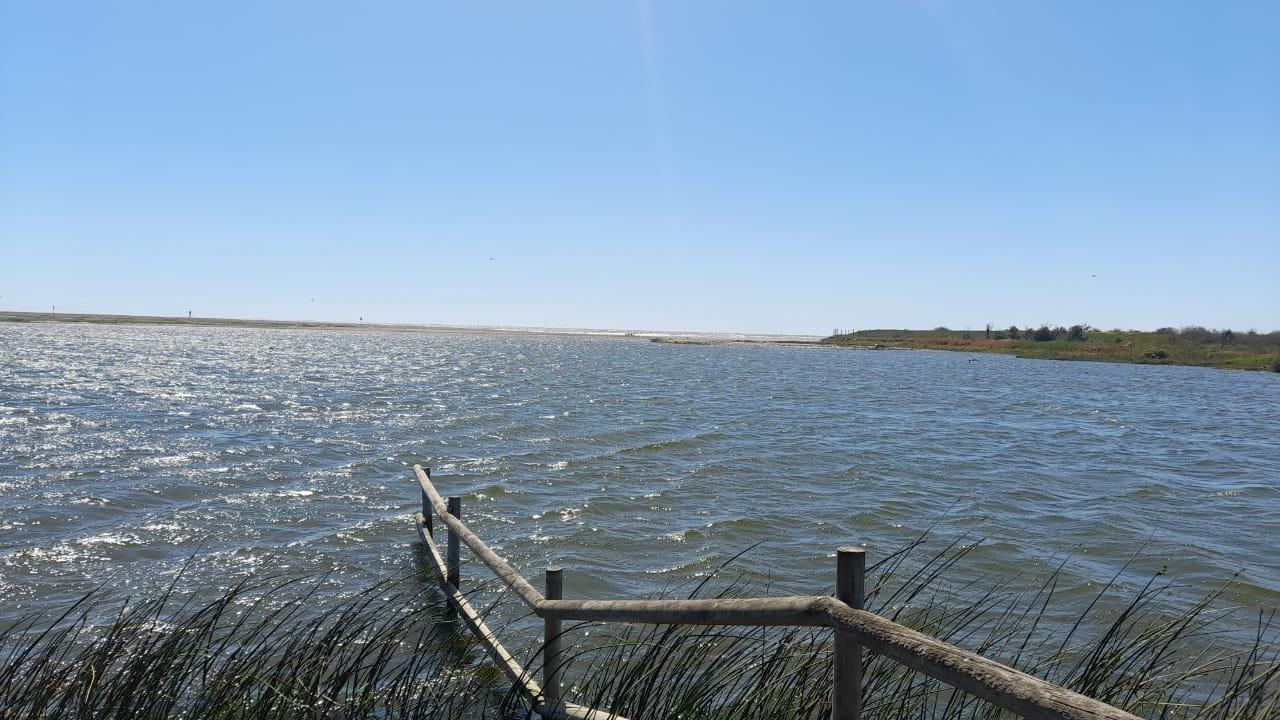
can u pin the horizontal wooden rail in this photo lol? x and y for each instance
(505, 660)
(500, 567)
(519, 677)
(1002, 686)
(998, 684)
(787, 611)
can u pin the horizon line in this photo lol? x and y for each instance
(565, 329)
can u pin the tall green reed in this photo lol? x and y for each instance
(285, 647)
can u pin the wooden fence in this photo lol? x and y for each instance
(854, 628)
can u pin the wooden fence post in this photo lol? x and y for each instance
(428, 512)
(453, 557)
(551, 631)
(846, 691)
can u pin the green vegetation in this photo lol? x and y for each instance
(277, 648)
(1134, 656)
(1191, 345)
(265, 648)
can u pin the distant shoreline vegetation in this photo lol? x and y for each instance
(1190, 345)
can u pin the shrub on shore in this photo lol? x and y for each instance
(1044, 334)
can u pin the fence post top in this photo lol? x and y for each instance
(854, 627)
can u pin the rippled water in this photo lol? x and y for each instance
(127, 450)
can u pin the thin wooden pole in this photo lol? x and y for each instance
(551, 631)
(500, 567)
(428, 512)
(453, 553)
(757, 612)
(855, 628)
(846, 692)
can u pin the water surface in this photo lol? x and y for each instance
(127, 450)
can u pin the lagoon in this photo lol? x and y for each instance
(127, 450)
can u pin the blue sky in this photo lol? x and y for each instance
(737, 166)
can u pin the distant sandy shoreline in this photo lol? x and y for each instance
(645, 335)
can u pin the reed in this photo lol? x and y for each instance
(267, 647)
(279, 647)
(1129, 652)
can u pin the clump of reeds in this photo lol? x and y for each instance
(272, 647)
(1125, 651)
(267, 647)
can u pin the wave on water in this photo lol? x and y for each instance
(618, 454)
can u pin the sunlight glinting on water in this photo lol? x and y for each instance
(633, 464)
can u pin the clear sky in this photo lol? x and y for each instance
(741, 166)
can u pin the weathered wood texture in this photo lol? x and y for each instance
(998, 684)
(453, 556)
(500, 567)
(787, 611)
(846, 666)
(506, 662)
(1013, 690)
(552, 628)
(428, 517)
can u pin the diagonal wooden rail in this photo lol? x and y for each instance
(855, 629)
